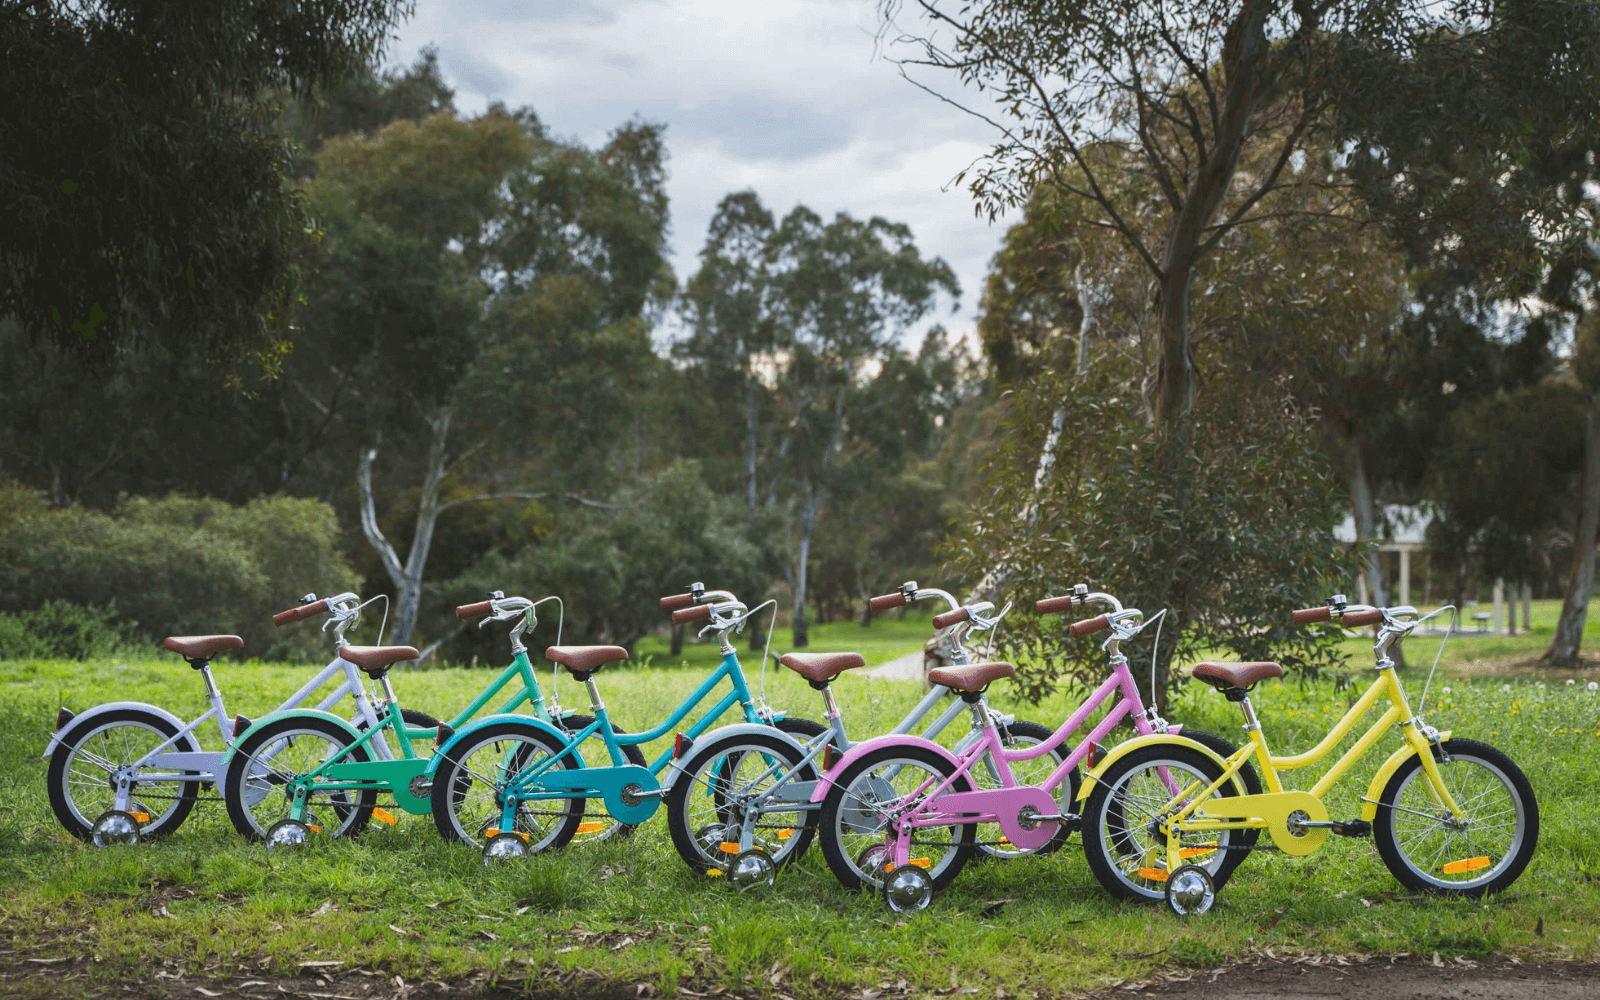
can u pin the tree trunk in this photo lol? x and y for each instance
(1366, 518)
(677, 640)
(407, 577)
(799, 637)
(750, 430)
(866, 612)
(1568, 640)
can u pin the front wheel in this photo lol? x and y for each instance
(707, 808)
(1483, 852)
(472, 782)
(1122, 840)
(599, 826)
(257, 788)
(82, 769)
(858, 817)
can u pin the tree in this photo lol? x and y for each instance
(140, 167)
(492, 258)
(1568, 638)
(1188, 92)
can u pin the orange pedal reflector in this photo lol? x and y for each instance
(1465, 865)
(1153, 874)
(313, 828)
(921, 862)
(140, 817)
(591, 826)
(785, 834)
(1195, 852)
(385, 816)
(728, 847)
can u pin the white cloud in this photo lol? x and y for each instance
(782, 96)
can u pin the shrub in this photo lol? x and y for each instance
(175, 565)
(59, 630)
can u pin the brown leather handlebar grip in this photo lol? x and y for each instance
(883, 602)
(1310, 616)
(950, 618)
(307, 610)
(1089, 626)
(683, 615)
(467, 612)
(1050, 605)
(1361, 618)
(676, 601)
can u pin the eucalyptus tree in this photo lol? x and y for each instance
(478, 319)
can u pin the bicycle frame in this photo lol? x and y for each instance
(208, 765)
(937, 805)
(631, 793)
(399, 775)
(1194, 809)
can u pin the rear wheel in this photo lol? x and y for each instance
(706, 808)
(1122, 841)
(471, 784)
(597, 826)
(1020, 735)
(1252, 786)
(82, 766)
(858, 816)
(1427, 850)
(257, 786)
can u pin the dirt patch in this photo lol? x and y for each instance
(1379, 979)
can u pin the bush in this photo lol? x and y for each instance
(58, 630)
(176, 565)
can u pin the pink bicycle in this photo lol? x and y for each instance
(900, 813)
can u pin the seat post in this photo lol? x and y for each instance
(203, 664)
(830, 708)
(1251, 723)
(386, 689)
(595, 703)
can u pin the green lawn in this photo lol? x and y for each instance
(400, 902)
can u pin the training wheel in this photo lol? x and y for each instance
(1190, 891)
(503, 847)
(115, 827)
(710, 838)
(871, 863)
(752, 869)
(288, 833)
(907, 889)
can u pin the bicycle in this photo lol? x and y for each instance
(1449, 816)
(296, 764)
(516, 786)
(884, 799)
(113, 761)
(755, 781)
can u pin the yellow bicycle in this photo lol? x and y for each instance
(1449, 816)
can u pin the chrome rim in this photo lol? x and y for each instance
(1494, 830)
(482, 773)
(1128, 834)
(103, 751)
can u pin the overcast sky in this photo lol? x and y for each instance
(786, 97)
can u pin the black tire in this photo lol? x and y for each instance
(1496, 773)
(410, 716)
(610, 829)
(841, 853)
(724, 759)
(1252, 786)
(459, 775)
(353, 811)
(73, 810)
(1022, 733)
(803, 730)
(1105, 818)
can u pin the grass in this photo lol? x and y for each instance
(401, 902)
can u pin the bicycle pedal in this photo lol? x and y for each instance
(1352, 828)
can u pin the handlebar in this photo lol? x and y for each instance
(467, 612)
(684, 615)
(308, 610)
(1089, 626)
(948, 618)
(1051, 605)
(884, 602)
(1311, 616)
(1357, 619)
(676, 601)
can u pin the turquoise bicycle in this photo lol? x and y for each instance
(515, 786)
